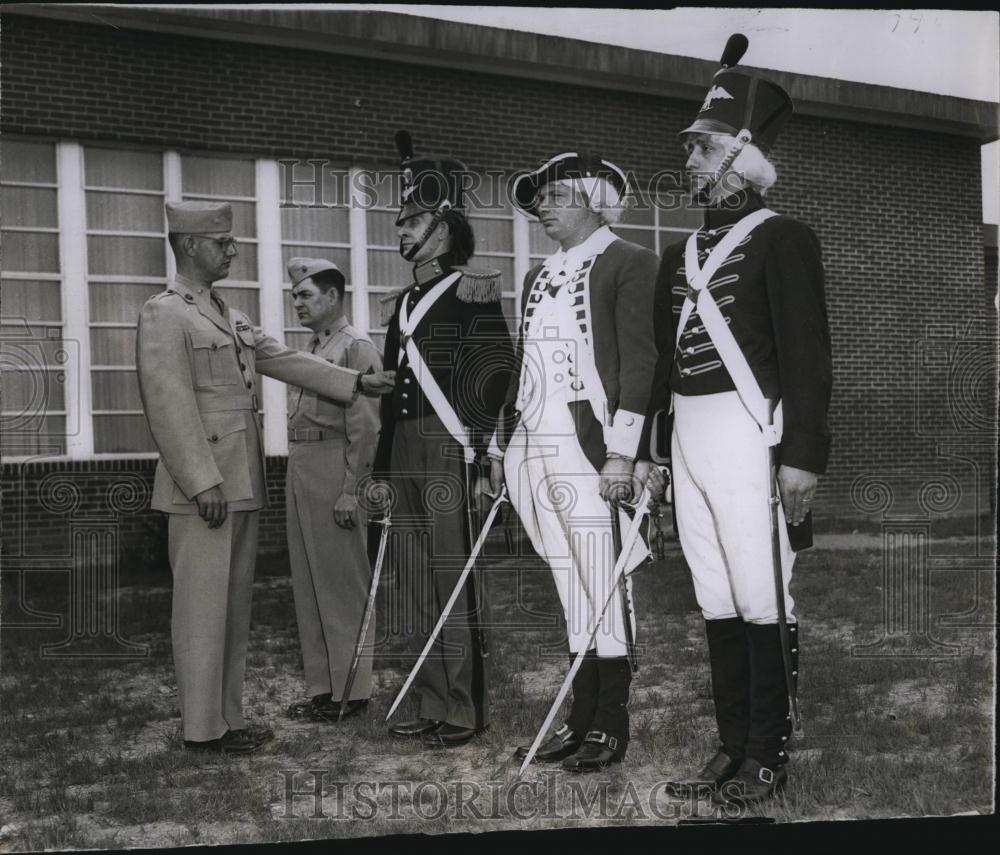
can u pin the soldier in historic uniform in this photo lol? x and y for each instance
(331, 448)
(449, 343)
(196, 360)
(586, 358)
(744, 360)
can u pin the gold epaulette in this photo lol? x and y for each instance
(478, 286)
(387, 305)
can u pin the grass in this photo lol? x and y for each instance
(93, 759)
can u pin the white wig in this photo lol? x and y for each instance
(756, 169)
(605, 200)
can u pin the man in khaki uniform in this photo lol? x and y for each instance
(196, 359)
(331, 447)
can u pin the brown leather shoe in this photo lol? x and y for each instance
(414, 728)
(713, 774)
(560, 745)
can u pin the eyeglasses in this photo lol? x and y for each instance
(225, 244)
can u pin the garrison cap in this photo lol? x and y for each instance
(199, 218)
(741, 99)
(300, 268)
(428, 182)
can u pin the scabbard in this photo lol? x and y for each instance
(616, 538)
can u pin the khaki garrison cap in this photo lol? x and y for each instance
(302, 268)
(199, 218)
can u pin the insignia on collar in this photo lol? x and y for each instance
(242, 326)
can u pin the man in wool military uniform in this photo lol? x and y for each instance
(586, 358)
(744, 359)
(196, 359)
(450, 345)
(331, 448)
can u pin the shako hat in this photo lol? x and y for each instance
(741, 99)
(565, 166)
(431, 182)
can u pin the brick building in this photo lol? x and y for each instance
(290, 116)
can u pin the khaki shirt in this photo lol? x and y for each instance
(356, 423)
(197, 368)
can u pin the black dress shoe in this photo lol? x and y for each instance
(303, 710)
(752, 784)
(598, 751)
(713, 774)
(330, 711)
(414, 728)
(560, 745)
(449, 736)
(236, 742)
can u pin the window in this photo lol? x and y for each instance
(84, 240)
(32, 355)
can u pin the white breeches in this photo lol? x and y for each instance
(554, 489)
(720, 472)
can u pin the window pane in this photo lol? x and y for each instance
(31, 393)
(313, 183)
(118, 434)
(33, 301)
(377, 335)
(244, 219)
(640, 213)
(380, 189)
(680, 216)
(643, 237)
(115, 346)
(493, 235)
(41, 435)
(379, 312)
(298, 339)
(112, 167)
(33, 347)
(382, 228)
(670, 238)
(244, 267)
(215, 176)
(292, 319)
(315, 224)
(340, 257)
(35, 253)
(245, 299)
(538, 241)
(116, 390)
(28, 161)
(511, 312)
(124, 212)
(388, 269)
(487, 193)
(119, 302)
(29, 206)
(118, 256)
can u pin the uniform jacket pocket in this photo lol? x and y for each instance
(214, 358)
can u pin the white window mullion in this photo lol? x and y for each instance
(271, 273)
(72, 207)
(522, 254)
(172, 189)
(358, 223)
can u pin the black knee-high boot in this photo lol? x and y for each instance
(608, 736)
(762, 773)
(729, 659)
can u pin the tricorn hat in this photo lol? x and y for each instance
(428, 182)
(741, 99)
(568, 165)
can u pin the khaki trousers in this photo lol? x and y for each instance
(210, 624)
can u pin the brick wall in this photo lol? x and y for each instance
(898, 212)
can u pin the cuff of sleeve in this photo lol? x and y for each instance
(623, 436)
(805, 451)
(193, 487)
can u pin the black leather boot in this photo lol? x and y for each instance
(762, 774)
(608, 737)
(586, 686)
(729, 658)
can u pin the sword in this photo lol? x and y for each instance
(345, 696)
(498, 500)
(774, 500)
(641, 509)
(472, 509)
(616, 539)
